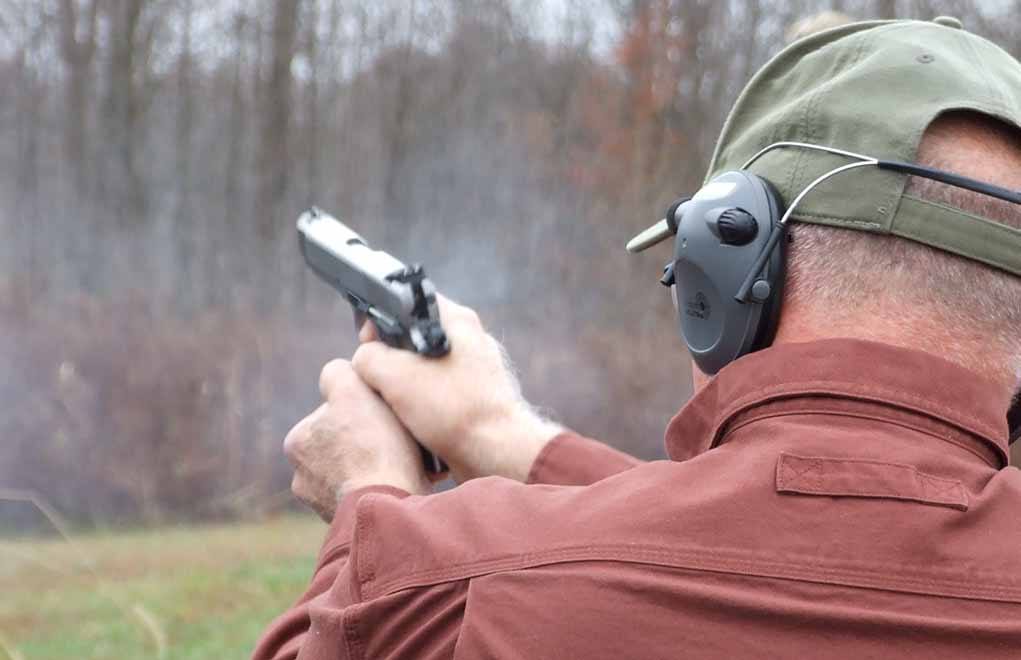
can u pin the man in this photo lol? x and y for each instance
(843, 493)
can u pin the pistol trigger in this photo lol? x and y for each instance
(388, 332)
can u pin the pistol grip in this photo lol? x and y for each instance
(433, 463)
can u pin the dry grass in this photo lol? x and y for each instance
(190, 592)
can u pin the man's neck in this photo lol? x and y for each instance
(908, 331)
(914, 332)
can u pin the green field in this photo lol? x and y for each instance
(181, 593)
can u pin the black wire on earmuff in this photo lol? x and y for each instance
(949, 178)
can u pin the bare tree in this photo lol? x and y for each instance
(124, 108)
(511, 145)
(277, 107)
(78, 25)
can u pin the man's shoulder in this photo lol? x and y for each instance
(723, 511)
(493, 524)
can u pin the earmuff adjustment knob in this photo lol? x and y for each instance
(736, 226)
(761, 291)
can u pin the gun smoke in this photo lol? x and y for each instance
(159, 331)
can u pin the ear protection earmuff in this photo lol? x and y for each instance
(720, 233)
(728, 269)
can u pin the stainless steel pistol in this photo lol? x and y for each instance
(399, 300)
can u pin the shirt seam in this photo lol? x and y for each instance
(851, 390)
(541, 461)
(731, 428)
(851, 573)
(352, 640)
(334, 552)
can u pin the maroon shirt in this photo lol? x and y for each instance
(837, 499)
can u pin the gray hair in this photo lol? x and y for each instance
(974, 312)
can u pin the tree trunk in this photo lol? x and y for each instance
(186, 226)
(274, 160)
(313, 114)
(124, 109)
(397, 138)
(886, 9)
(77, 55)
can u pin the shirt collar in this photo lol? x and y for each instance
(849, 370)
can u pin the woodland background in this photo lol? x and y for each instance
(158, 331)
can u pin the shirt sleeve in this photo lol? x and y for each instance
(326, 617)
(572, 460)
(286, 635)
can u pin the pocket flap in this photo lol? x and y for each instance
(843, 477)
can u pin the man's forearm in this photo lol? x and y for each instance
(528, 448)
(504, 447)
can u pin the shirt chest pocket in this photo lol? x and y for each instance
(843, 477)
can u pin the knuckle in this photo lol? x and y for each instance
(297, 437)
(466, 325)
(361, 357)
(335, 374)
(471, 317)
(367, 364)
(291, 442)
(457, 312)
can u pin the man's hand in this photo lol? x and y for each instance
(465, 407)
(351, 441)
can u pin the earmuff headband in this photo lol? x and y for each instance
(948, 178)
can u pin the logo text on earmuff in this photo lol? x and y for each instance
(699, 307)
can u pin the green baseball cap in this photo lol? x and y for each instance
(873, 88)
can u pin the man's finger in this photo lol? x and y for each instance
(368, 332)
(334, 376)
(451, 311)
(374, 362)
(298, 488)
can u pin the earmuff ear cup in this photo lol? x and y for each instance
(710, 266)
(1014, 419)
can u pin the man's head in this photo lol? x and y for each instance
(875, 255)
(842, 282)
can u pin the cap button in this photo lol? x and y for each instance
(948, 21)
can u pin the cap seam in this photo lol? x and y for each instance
(960, 251)
(992, 224)
(855, 222)
(794, 177)
(993, 90)
(798, 179)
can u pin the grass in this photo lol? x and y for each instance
(181, 593)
